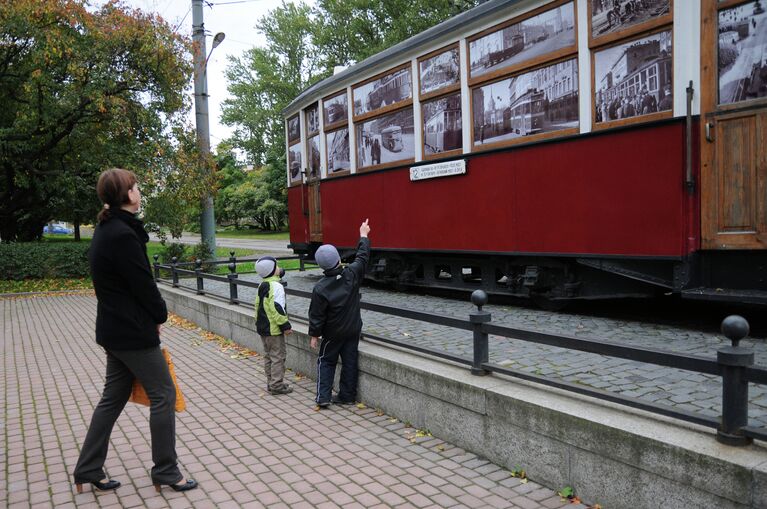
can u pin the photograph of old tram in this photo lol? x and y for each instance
(599, 156)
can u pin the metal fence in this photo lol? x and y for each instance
(735, 364)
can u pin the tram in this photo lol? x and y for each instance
(610, 161)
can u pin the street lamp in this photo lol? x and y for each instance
(201, 56)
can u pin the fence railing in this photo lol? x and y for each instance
(734, 363)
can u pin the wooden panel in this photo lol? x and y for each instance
(736, 171)
(315, 212)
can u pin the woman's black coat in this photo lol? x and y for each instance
(129, 304)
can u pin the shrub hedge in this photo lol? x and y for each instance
(42, 260)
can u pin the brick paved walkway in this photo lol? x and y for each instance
(246, 448)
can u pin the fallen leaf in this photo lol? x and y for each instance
(361, 406)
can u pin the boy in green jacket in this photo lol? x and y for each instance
(272, 324)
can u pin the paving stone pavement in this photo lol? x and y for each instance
(245, 448)
(677, 388)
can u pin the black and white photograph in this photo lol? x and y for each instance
(439, 71)
(389, 89)
(337, 143)
(609, 16)
(385, 139)
(313, 154)
(312, 119)
(294, 163)
(634, 78)
(541, 101)
(294, 129)
(530, 38)
(442, 130)
(743, 53)
(335, 109)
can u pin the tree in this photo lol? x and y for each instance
(81, 91)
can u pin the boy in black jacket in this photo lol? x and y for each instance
(334, 315)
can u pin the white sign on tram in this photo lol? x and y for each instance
(430, 171)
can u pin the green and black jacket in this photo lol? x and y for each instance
(271, 310)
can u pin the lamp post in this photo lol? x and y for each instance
(207, 219)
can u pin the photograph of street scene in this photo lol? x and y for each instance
(335, 109)
(540, 101)
(294, 159)
(439, 71)
(634, 78)
(385, 139)
(312, 119)
(294, 129)
(389, 89)
(742, 53)
(531, 38)
(337, 143)
(314, 156)
(608, 16)
(442, 124)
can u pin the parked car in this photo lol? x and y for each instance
(57, 229)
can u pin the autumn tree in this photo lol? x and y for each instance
(83, 90)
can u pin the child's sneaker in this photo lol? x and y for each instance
(285, 389)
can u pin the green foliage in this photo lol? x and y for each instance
(82, 90)
(41, 260)
(173, 250)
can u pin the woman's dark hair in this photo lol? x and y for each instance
(112, 188)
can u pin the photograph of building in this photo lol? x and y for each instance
(634, 78)
(337, 144)
(608, 16)
(335, 109)
(442, 124)
(386, 139)
(294, 162)
(548, 31)
(439, 71)
(294, 129)
(536, 102)
(312, 119)
(389, 89)
(742, 53)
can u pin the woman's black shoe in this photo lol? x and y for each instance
(188, 485)
(101, 486)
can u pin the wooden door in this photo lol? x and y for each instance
(315, 211)
(734, 125)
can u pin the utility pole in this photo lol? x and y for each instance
(207, 219)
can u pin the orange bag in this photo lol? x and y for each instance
(138, 394)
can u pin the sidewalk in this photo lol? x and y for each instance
(245, 447)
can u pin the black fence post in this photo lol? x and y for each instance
(301, 258)
(481, 351)
(232, 283)
(232, 258)
(198, 275)
(156, 267)
(733, 361)
(173, 271)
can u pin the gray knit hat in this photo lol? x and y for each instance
(265, 266)
(327, 257)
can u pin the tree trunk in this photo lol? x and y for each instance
(77, 231)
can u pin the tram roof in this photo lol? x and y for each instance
(456, 23)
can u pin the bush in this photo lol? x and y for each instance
(201, 251)
(44, 260)
(174, 249)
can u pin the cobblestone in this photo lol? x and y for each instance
(245, 447)
(672, 387)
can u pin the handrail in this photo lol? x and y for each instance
(734, 364)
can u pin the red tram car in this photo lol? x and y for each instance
(654, 182)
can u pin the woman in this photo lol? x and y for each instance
(130, 311)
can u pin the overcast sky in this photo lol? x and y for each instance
(237, 19)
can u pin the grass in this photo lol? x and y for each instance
(252, 234)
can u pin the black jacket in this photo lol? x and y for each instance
(129, 304)
(334, 312)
